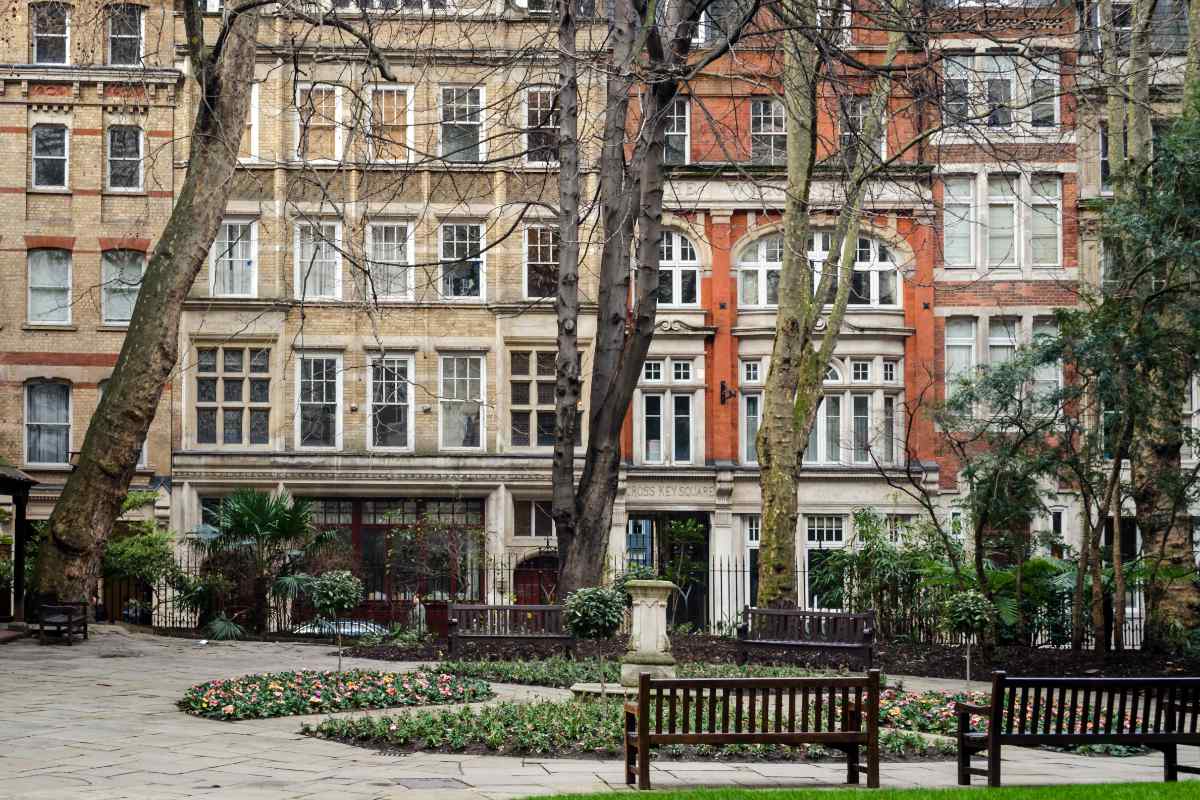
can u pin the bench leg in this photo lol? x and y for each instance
(964, 755)
(852, 764)
(1170, 763)
(993, 757)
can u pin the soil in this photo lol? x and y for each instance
(930, 661)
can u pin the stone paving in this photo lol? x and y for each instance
(98, 720)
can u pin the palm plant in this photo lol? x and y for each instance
(272, 534)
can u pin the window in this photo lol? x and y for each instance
(758, 272)
(860, 371)
(47, 422)
(639, 542)
(122, 275)
(958, 221)
(248, 146)
(652, 428)
(677, 146)
(855, 112)
(125, 35)
(768, 132)
(461, 402)
(956, 72)
(1002, 221)
(898, 525)
(960, 351)
(319, 398)
(751, 419)
(1043, 101)
(391, 403)
(681, 371)
(51, 33)
(462, 261)
(751, 372)
(49, 287)
(532, 398)
(532, 518)
(389, 266)
(888, 456)
(317, 110)
(875, 278)
(825, 437)
(678, 271)
(1047, 378)
(652, 371)
(541, 125)
(390, 123)
(1106, 185)
(232, 260)
(318, 261)
(861, 404)
(667, 428)
(1002, 340)
(233, 395)
(462, 123)
(541, 261)
(125, 158)
(1045, 220)
(890, 371)
(999, 72)
(50, 145)
(824, 529)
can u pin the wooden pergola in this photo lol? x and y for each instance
(16, 484)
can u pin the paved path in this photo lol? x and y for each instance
(99, 721)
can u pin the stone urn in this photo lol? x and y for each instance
(649, 648)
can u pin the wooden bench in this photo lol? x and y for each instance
(1160, 713)
(789, 711)
(65, 619)
(830, 631)
(482, 623)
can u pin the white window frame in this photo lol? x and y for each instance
(526, 126)
(299, 269)
(1004, 335)
(961, 342)
(65, 157)
(253, 124)
(893, 366)
(874, 266)
(672, 118)
(109, 158)
(442, 261)
(31, 287)
(677, 266)
(371, 288)
(867, 364)
(959, 209)
(410, 397)
(762, 266)
(853, 121)
(376, 88)
(776, 112)
(867, 430)
(141, 12)
(1048, 72)
(667, 426)
(1103, 157)
(106, 290)
(442, 401)
(441, 107)
(890, 425)
(67, 7)
(1054, 203)
(1046, 326)
(656, 366)
(820, 544)
(749, 442)
(25, 417)
(214, 258)
(301, 357)
(1000, 68)
(529, 229)
(752, 372)
(820, 432)
(958, 68)
(302, 88)
(1011, 202)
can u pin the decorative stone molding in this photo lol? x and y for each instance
(649, 648)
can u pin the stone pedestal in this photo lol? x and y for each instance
(649, 647)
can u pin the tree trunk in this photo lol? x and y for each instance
(1079, 595)
(91, 501)
(1118, 562)
(260, 604)
(1097, 564)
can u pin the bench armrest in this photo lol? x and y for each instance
(631, 707)
(970, 708)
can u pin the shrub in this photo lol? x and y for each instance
(6, 574)
(148, 556)
(595, 612)
(564, 673)
(283, 694)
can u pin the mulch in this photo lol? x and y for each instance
(930, 661)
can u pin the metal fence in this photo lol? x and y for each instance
(710, 600)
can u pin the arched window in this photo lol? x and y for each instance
(678, 271)
(758, 272)
(47, 422)
(876, 281)
(832, 375)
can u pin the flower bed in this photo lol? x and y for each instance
(562, 729)
(564, 673)
(282, 694)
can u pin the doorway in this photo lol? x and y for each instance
(675, 546)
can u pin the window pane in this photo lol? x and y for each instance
(681, 434)
(260, 426)
(751, 427)
(231, 421)
(206, 425)
(833, 428)
(49, 286)
(652, 424)
(520, 428)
